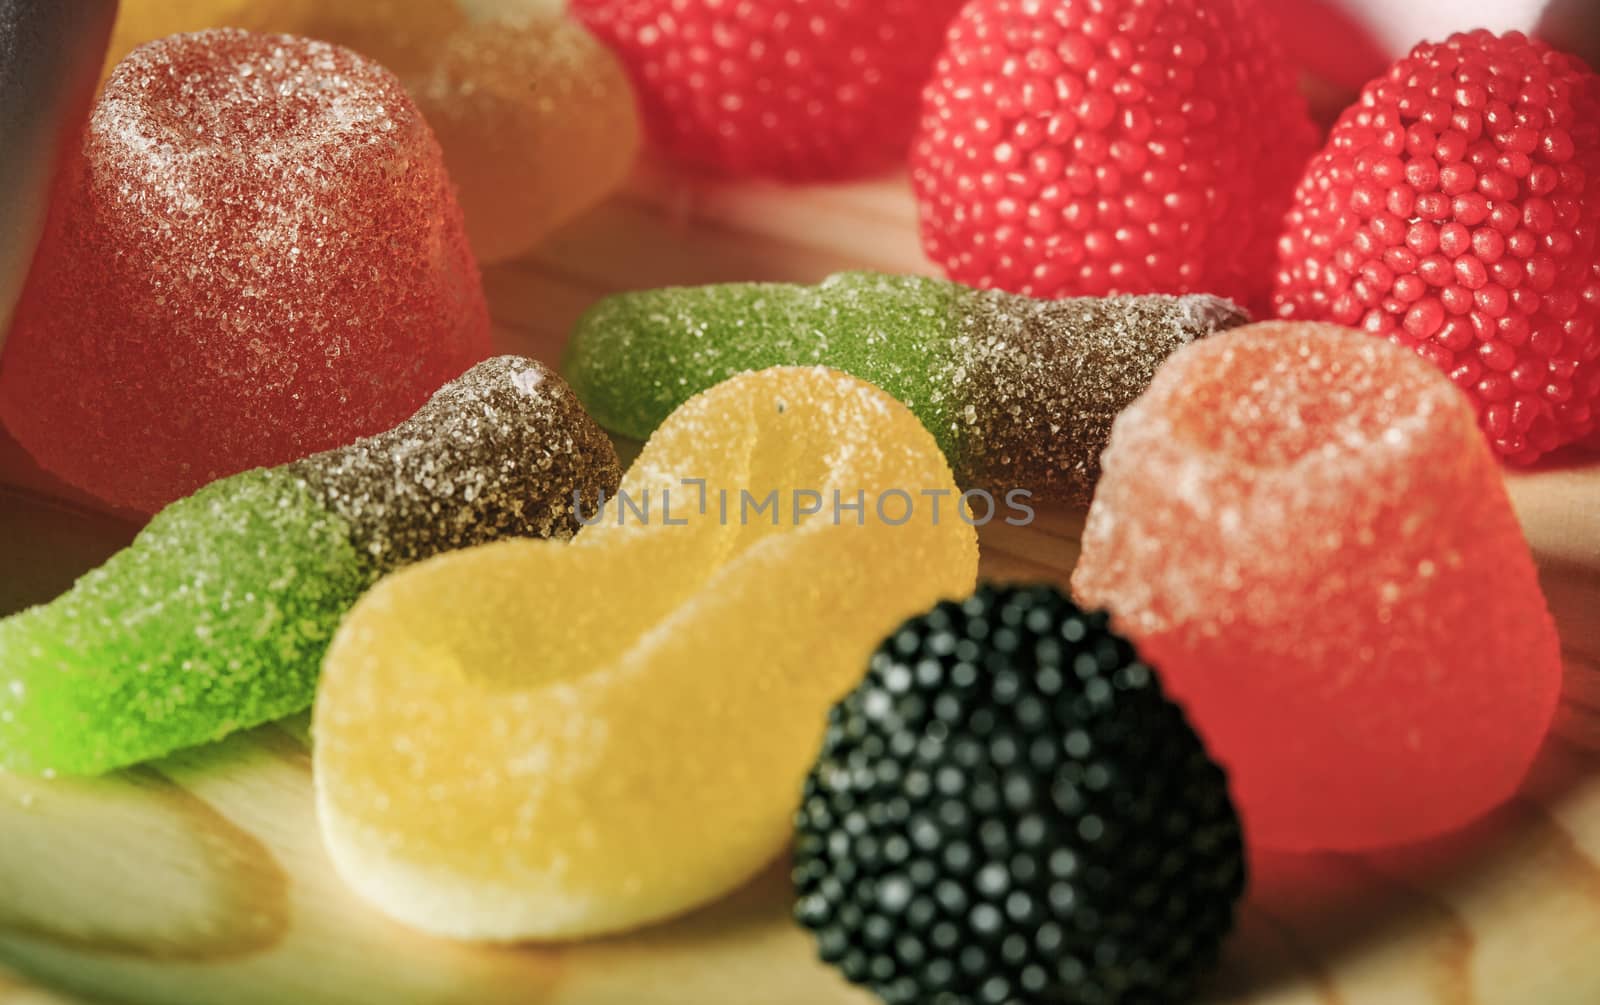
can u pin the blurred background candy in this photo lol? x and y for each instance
(782, 89)
(1338, 45)
(537, 122)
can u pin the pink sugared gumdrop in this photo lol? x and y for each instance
(253, 255)
(1306, 533)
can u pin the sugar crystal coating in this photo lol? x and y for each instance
(535, 116)
(1305, 532)
(211, 621)
(1041, 381)
(495, 453)
(216, 617)
(255, 255)
(542, 740)
(1020, 393)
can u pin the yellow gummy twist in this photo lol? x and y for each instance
(538, 740)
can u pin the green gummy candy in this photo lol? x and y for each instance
(1019, 393)
(635, 357)
(217, 616)
(126, 665)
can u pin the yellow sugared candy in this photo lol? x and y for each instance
(140, 21)
(538, 124)
(552, 741)
(536, 117)
(400, 34)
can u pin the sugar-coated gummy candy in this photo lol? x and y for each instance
(1020, 393)
(536, 117)
(537, 122)
(543, 740)
(1305, 532)
(498, 452)
(398, 34)
(216, 617)
(49, 54)
(255, 254)
(212, 620)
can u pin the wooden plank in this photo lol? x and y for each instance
(202, 878)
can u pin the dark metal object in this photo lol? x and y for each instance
(51, 53)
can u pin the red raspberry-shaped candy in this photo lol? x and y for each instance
(792, 89)
(1455, 209)
(1089, 146)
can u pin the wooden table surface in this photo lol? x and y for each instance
(202, 879)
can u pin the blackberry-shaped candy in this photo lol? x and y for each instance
(1008, 809)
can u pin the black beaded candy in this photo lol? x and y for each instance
(1009, 809)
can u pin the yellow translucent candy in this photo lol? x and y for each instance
(537, 122)
(140, 21)
(536, 740)
(535, 116)
(399, 34)
(396, 33)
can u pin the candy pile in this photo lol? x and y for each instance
(216, 617)
(1307, 563)
(601, 734)
(987, 372)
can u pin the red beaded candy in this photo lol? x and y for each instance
(791, 89)
(1455, 209)
(1079, 148)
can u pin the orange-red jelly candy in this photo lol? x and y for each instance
(1306, 533)
(254, 255)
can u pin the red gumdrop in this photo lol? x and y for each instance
(1305, 532)
(254, 255)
